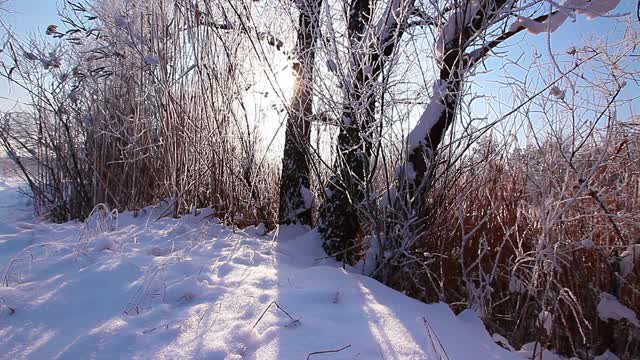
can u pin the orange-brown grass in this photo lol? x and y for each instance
(512, 202)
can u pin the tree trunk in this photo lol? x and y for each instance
(410, 208)
(340, 225)
(295, 177)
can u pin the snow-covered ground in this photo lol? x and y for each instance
(134, 287)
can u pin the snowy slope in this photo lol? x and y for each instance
(192, 288)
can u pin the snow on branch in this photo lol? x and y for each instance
(591, 9)
(385, 30)
(429, 117)
(482, 51)
(547, 23)
(459, 19)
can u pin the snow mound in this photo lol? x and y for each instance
(184, 290)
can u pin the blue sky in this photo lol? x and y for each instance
(571, 34)
(25, 17)
(33, 16)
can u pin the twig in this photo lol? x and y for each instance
(293, 322)
(204, 313)
(281, 309)
(261, 316)
(11, 310)
(429, 331)
(327, 351)
(284, 311)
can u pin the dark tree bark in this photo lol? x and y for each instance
(340, 225)
(295, 177)
(412, 192)
(453, 66)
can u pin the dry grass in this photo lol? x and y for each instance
(146, 105)
(528, 215)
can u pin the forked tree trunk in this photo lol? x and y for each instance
(340, 225)
(295, 177)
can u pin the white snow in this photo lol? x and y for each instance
(458, 20)
(595, 8)
(193, 288)
(545, 319)
(429, 117)
(102, 243)
(185, 290)
(590, 8)
(609, 308)
(535, 350)
(628, 259)
(308, 197)
(502, 341)
(551, 24)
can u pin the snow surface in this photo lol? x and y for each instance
(536, 351)
(194, 288)
(609, 308)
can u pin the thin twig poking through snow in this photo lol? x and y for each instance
(429, 332)
(293, 320)
(4, 303)
(328, 351)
